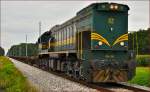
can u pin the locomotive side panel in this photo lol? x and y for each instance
(64, 36)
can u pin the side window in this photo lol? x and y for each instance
(56, 36)
(59, 38)
(71, 34)
(74, 30)
(71, 31)
(66, 35)
(67, 30)
(62, 35)
(74, 27)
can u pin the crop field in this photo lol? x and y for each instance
(11, 79)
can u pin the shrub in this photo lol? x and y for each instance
(143, 60)
(2, 52)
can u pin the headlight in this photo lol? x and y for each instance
(100, 43)
(122, 43)
(116, 7)
(111, 6)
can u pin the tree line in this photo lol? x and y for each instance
(23, 49)
(2, 52)
(140, 41)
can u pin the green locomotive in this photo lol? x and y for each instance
(92, 46)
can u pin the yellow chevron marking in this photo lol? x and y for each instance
(121, 38)
(95, 36)
(109, 76)
(101, 77)
(120, 75)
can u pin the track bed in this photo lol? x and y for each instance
(86, 87)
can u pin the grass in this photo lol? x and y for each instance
(11, 79)
(142, 71)
(142, 76)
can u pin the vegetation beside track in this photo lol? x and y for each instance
(20, 50)
(139, 41)
(143, 60)
(11, 79)
(142, 76)
(2, 51)
(142, 71)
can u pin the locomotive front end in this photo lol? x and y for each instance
(109, 44)
(110, 60)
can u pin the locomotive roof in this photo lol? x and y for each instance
(100, 4)
(66, 23)
(86, 9)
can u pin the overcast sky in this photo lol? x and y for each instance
(19, 18)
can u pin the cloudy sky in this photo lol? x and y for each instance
(19, 18)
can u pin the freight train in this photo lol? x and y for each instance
(93, 45)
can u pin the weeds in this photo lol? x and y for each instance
(11, 79)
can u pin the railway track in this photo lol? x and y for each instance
(102, 87)
(125, 87)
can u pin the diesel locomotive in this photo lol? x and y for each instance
(93, 45)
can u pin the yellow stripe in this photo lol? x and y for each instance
(68, 41)
(94, 36)
(121, 38)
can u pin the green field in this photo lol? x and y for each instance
(11, 79)
(142, 76)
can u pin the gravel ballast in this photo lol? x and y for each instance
(47, 82)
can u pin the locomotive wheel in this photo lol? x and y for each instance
(89, 77)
